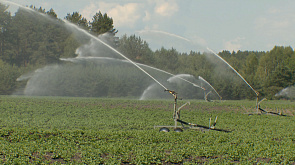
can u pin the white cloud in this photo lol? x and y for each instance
(123, 15)
(166, 8)
(272, 24)
(274, 10)
(89, 11)
(275, 22)
(126, 15)
(132, 14)
(199, 41)
(45, 5)
(233, 45)
(147, 16)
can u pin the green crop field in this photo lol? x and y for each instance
(62, 130)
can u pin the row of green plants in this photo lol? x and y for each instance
(61, 130)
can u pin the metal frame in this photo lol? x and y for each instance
(187, 125)
(261, 111)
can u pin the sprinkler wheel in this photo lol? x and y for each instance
(178, 130)
(164, 129)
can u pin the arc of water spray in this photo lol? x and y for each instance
(257, 93)
(135, 64)
(97, 39)
(177, 36)
(195, 85)
(13, 3)
(163, 32)
(201, 78)
(131, 60)
(66, 59)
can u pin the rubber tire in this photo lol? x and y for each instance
(178, 130)
(164, 129)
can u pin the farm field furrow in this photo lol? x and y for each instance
(64, 130)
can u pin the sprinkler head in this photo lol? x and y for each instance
(170, 91)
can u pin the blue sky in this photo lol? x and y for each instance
(186, 25)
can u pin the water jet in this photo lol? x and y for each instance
(256, 93)
(201, 78)
(59, 69)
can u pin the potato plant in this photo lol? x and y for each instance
(62, 130)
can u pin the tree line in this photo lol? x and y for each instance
(28, 42)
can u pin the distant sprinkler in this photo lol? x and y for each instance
(201, 78)
(113, 49)
(257, 93)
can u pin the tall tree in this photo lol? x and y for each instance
(167, 59)
(77, 18)
(101, 23)
(136, 49)
(274, 70)
(51, 13)
(5, 19)
(250, 67)
(34, 39)
(8, 77)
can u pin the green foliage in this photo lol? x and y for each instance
(275, 70)
(77, 18)
(167, 59)
(29, 39)
(61, 130)
(136, 49)
(5, 18)
(101, 23)
(31, 43)
(8, 77)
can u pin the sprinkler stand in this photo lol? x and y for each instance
(176, 118)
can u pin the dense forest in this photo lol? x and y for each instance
(35, 38)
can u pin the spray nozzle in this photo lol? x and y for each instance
(170, 91)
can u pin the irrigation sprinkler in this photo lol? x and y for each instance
(201, 78)
(176, 115)
(126, 58)
(263, 111)
(206, 95)
(256, 92)
(185, 125)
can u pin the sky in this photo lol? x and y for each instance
(253, 25)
